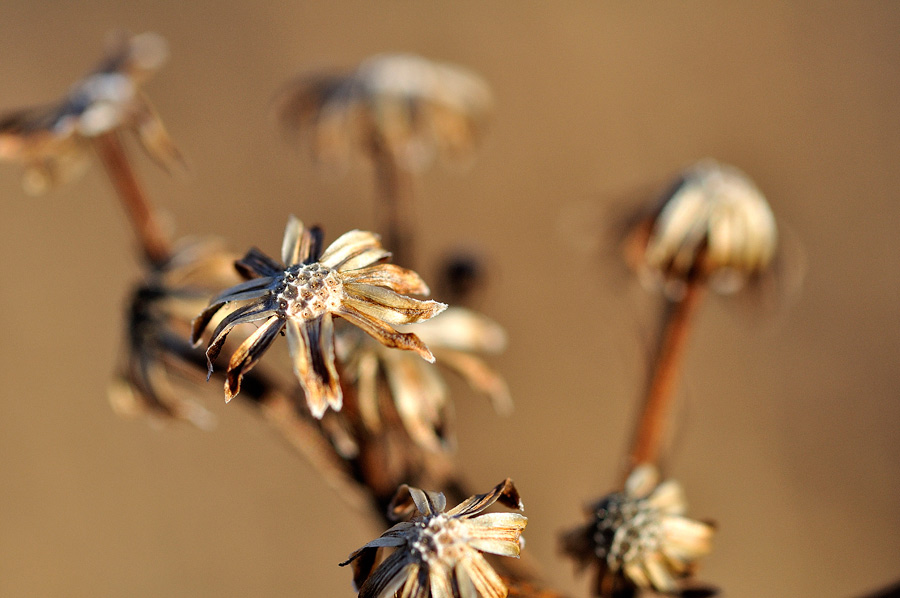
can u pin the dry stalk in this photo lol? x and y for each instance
(649, 432)
(154, 243)
(397, 203)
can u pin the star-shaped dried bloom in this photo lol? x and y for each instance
(160, 364)
(51, 142)
(406, 105)
(640, 537)
(457, 338)
(300, 296)
(438, 554)
(713, 226)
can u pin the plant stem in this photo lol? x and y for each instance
(395, 196)
(154, 243)
(663, 381)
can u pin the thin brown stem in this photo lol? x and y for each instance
(155, 245)
(396, 212)
(650, 428)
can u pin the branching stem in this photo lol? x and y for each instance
(155, 244)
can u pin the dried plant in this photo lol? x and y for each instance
(52, 142)
(640, 537)
(438, 554)
(301, 295)
(713, 228)
(397, 111)
(412, 108)
(160, 366)
(417, 390)
(390, 421)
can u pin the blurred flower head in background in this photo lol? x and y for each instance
(160, 370)
(714, 226)
(51, 141)
(406, 106)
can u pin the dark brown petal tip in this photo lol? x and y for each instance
(505, 492)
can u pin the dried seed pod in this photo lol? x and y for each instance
(51, 141)
(640, 537)
(714, 226)
(457, 338)
(300, 295)
(160, 366)
(403, 104)
(438, 553)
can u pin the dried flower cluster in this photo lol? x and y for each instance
(438, 554)
(301, 295)
(713, 226)
(640, 537)
(456, 338)
(160, 365)
(402, 104)
(52, 141)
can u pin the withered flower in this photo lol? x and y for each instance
(456, 338)
(406, 105)
(438, 554)
(52, 141)
(160, 364)
(301, 295)
(640, 537)
(713, 226)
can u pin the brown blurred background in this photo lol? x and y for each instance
(791, 430)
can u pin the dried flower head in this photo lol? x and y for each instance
(438, 554)
(51, 141)
(640, 537)
(160, 364)
(400, 103)
(418, 392)
(713, 226)
(301, 295)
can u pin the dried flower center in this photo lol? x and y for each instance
(308, 291)
(440, 537)
(626, 530)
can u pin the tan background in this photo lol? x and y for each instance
(792, 431)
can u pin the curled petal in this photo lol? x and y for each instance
(641, 481)
(353, 250)
(245, 314)
(153, 135)
(249, 289)
(387, 578)
(384, 333)
(464, 330)
(497, 533)
(427, 503)
(480, 377)
(486, 581)
(669, 498)
(389, 306)
(416, 585)
(246, 356)
(312, 351)
(257, 264)
(393, 277)
(505, 492)
(420, 397)
(439, 581)
(290, 246)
